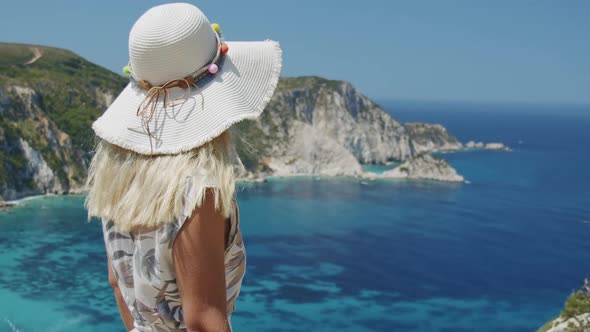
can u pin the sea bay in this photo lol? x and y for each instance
(501, 252)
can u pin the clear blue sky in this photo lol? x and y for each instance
(511, 50)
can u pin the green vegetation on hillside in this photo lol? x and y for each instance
(249, 144)
(45, 91)
(54, 66)
(307, 82)
(11, 54)
(578, 303)
(66, 83)
(10, 159)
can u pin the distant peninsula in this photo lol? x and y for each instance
(49, 98)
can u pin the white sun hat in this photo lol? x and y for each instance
(187, 84)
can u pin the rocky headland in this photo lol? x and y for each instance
(575, 316)
(427, 137)
(312, 126)
(425, 167)
(46, 109)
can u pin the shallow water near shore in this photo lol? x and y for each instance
(501, 253)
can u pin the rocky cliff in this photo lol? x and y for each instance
(426, 137)
(49, 97)
(327, 127)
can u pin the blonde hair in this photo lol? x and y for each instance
(139, 191)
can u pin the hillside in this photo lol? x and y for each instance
(46, 109)
(49, 98)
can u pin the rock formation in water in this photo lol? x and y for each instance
(312, 126)
(424, 166)
(487, 146)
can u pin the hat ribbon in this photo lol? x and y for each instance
(155, 94)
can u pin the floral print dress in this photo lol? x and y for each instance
(143, 266)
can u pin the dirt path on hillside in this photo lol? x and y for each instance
(37, 54)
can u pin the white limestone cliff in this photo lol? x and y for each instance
(579, 323)
(308, 152)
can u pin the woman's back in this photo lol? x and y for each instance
(143, 265)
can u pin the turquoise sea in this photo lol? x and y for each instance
(500, 253)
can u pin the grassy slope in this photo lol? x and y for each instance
(55, 65)
(66, 82)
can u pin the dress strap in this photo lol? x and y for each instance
(234, 218)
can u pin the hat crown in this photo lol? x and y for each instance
(169, 42)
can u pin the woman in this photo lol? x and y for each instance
(162, 178)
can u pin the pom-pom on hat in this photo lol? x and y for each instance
(187, 85)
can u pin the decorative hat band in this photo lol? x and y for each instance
(155, 94)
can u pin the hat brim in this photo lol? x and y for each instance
(240, 90)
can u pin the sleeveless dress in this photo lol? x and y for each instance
(143, 266)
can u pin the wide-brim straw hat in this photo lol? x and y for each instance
(187, 85)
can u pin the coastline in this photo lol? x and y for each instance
(29, 198)
(251, 178)
(389, 175)
(362, 179)
(17, 202)
(20, 201)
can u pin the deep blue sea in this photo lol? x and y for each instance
(500, 253)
